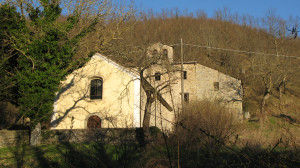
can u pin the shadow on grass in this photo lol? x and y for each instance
(245, 157)
(41, 159)
(95, 152)
(127, 153)
(103, 149)
(72, 155)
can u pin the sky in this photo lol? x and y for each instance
(256, 8)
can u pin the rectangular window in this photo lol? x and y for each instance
(186, 97)
(184, 75)
(157, 76)
(96, 89)
(216, 86)
(165, 54)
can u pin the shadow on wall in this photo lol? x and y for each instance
(56, 120)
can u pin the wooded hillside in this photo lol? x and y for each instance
(263, 53)
(42, 41)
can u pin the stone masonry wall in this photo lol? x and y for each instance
(13, 138)
(19, 137)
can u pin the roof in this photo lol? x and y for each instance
(120, 67)
(187, 62)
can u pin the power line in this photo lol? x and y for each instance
(239, 51)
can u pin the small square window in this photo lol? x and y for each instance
(184, 75)
(186, 97)
(154, 53)
(157, 76)
(216, 86)
(165, 54)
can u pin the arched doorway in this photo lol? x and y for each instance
(94, 122)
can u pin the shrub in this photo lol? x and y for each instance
(206, 124)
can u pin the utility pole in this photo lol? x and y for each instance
(182, 83)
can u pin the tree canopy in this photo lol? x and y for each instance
(38, 46)
(41, 42)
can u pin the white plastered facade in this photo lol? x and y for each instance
(123, 100)
(120, 103)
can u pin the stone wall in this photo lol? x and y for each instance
(13, 138)
(19, 137)
(84, 135)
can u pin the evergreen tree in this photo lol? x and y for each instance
(10, 28)
(45, 58)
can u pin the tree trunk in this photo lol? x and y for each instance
(262, 109)
(268, 88)
(282, 88)
(147, 114)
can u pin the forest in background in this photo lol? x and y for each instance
(40, 46)
(261, 52)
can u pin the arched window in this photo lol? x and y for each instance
(154, 53)
(96, 89)
(94, 122)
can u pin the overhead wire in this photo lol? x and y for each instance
(234, 50)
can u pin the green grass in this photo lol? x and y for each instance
(100, 155)
(30, 156)
(5, 150)
(273, 120)
(67, 155)
(130, 155)
(252, 125)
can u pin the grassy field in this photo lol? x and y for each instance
(65, 155)
(275, 144)
(274, 129)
